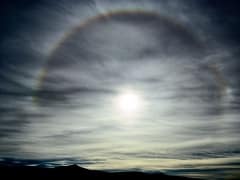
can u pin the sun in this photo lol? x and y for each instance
(129, 102)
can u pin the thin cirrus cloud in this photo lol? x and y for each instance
(59, 84)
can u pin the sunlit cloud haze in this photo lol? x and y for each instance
(129, 85)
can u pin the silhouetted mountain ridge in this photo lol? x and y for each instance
(74, 171)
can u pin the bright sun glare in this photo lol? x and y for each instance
(129, 102)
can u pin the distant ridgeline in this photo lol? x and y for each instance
(31, 172)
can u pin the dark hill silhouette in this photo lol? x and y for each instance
(76, 172)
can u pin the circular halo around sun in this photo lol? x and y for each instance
(86, 49)
(135, 49)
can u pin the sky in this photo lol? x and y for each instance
(141, 85)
